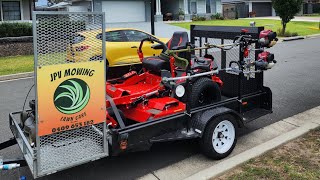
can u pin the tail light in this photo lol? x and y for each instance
(82, 48)
(244, 31)
(246, 52)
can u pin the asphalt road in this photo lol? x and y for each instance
(294, 82)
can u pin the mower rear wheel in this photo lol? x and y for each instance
(204, 91)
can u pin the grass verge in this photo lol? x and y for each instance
(299, 159)
(312, 15)
(16, 64)
(302, 28)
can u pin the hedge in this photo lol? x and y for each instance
(15, 29)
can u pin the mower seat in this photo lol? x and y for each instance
(157, 63)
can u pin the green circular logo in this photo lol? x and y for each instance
(71, 96)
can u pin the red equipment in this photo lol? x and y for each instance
(266, 56)
(267, 38)
(143, 97)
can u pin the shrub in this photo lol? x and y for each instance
(181, 12)
(217, 16)
(237, 15)
(286, 34)
(198, 18)
(15, 29)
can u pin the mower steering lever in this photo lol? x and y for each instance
(142, 98)
(152, 39)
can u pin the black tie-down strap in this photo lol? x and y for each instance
(116, 111)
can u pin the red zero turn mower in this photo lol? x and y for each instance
(144, 97)
(161, 89)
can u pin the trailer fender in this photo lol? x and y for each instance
(200, 120)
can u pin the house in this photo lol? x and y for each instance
(311, 6)
(245, 7)
(15, 10)
(140, 10)
(262, 8)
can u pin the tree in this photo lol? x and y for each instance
(286, 9)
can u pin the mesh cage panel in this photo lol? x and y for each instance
(68, 38)
(61, 149)
(61, 38)
(223, 58)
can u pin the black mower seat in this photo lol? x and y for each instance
(155, 64)
(162, 62)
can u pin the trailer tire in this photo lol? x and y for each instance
(219, 137)
(204, 91)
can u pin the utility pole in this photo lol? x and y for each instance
(152, 17)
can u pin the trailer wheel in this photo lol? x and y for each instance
(204, 91)
(220, 137)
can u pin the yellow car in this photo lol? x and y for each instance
(121, 46)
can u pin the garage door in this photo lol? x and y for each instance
(124, 11)
(262, 9)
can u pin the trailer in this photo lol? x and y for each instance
(78, 115)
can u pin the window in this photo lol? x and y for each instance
(192, 6)
(113, 36)
(135, 36)
(208, 6)
(11, 10)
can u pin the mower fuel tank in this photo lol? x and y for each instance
(30, 129)
(28, 122)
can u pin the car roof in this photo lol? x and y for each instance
(109, 30)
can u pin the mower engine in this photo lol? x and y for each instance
(28, 122)
(267, 38)
(266, 60)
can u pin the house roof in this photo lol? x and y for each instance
(241, 1)
(231, 1)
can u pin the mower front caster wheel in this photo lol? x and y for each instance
(220, 137)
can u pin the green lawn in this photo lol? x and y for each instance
(302, 28)
(16, 64)
(298, 159)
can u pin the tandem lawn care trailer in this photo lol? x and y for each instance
(204, 89)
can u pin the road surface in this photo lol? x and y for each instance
(294, 82)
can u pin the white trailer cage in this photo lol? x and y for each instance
(78, 142)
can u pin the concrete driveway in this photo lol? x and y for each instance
(161, 29)
(297, 18)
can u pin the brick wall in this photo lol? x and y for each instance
(13, 46)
